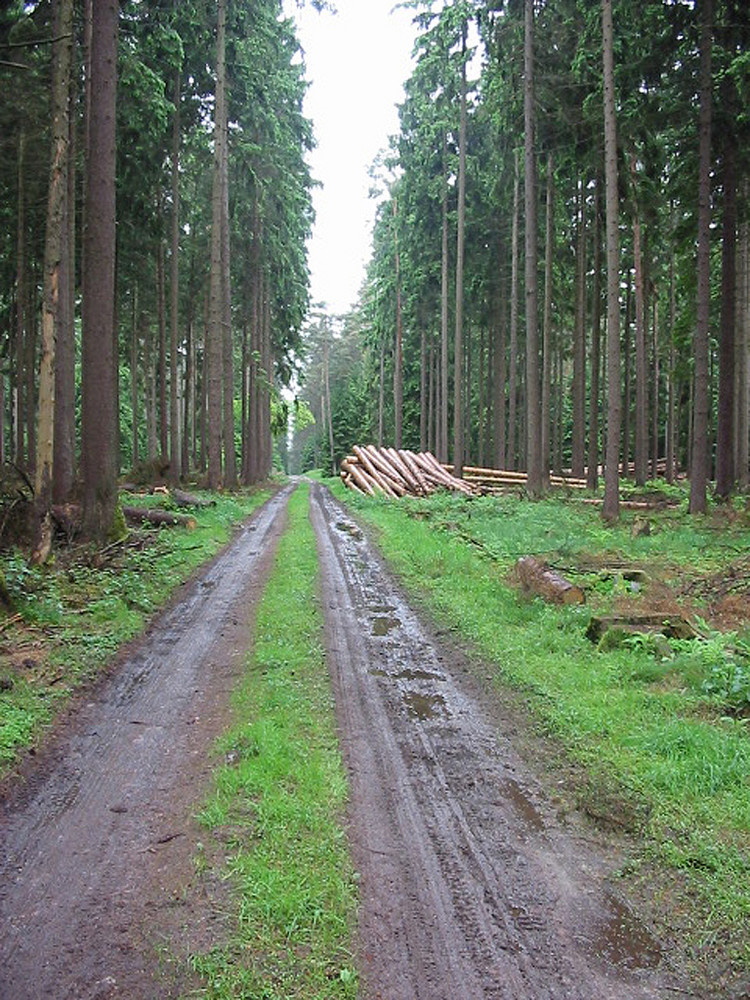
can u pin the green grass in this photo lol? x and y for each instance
(278, 801)
(658, 754)
(76, 613)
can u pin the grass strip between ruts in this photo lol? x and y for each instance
(278, 803)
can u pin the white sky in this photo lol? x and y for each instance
(357, 62)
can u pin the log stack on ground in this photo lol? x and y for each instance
(491, 480)
(372, 470)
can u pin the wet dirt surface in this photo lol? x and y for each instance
(471, 886)
(95, 839)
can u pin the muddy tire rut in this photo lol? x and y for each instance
(471, 887)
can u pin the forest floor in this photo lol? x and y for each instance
(478, 877)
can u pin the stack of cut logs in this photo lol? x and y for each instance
(372, 470)
(503, 479)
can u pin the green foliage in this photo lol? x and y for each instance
(279, 798)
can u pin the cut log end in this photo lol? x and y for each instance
(537, 578)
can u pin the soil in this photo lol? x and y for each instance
(474, 882)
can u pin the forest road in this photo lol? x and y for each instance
(471, 886)
(95, 842)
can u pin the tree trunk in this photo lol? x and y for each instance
(725, 474)
(162, 323)
(443, 419)
(174, 419)
(19, 409)
(423, 380)
(533, 417)
(641, 375)
(592, 472)
(611, 505)
(215, 345)
(699, 451)
(63, 476)
(510, 455)
(54, 289)
(743, 353)
(230, 451)
(99, 418)
(458, 421)
(579, 342)
(499, 366)
(656, 375)
(398, 351)
(547, 323)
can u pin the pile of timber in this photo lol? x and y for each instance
(372, 470)
(497, 479)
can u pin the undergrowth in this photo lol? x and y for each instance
(69, 618)
(278, 800)
(655, 725)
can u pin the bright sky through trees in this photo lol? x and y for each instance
(357, 62)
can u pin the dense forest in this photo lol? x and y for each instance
(156, 205)
(559, 271)
(559, 277)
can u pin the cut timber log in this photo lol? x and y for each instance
(673, 626)
(145, 515)
(537, 578)
(183, 499)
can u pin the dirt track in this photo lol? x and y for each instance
(96, 839)
(471, 888)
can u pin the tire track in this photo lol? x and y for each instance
(470, 886)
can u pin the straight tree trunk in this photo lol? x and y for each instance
(547, 324)
(592, 471)
(99, 373)
(626, 401)
(641, 375)
(699, 451)
(21, 302)
(423, 380)
(54, 288)
(162, 321)
(725, 474)
(230, 451)
(174, 419)
(215, 345)
(611, 505)
(443, 419)
(656, 375)
(534, 482)
(398, 350)
(579, 342)
(670, 448)
(510, 456)
(743, 353)
(458, 421)
(63, 477)
(499, 367)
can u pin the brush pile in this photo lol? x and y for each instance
(372, 470)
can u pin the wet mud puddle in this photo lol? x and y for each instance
(471, 887)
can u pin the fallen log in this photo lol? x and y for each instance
(674, 626)
(183, 499)
(537, 578)
(158, 517)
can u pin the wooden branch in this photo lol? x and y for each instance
(675, 626)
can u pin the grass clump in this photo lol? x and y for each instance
(278, 803)
(646, 721)
(64, 621)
